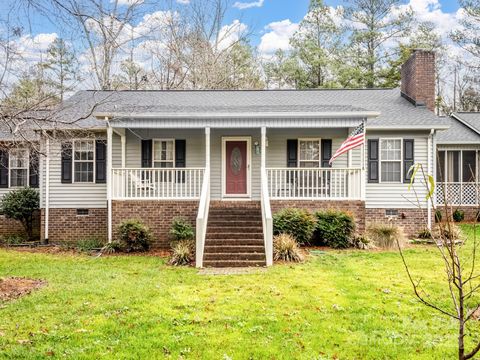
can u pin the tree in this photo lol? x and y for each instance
(31, 92)
(283, 71)
(373, 24)
(132, 76)
(21, 205)
(243, 68)
(459, 261)
(469, 37)
(62, 67)
(424, 37)
(102, 25)
(316, 43)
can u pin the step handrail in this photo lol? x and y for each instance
(267, 220)
(202, 219)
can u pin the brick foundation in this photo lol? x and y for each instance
(66, 226)
(157, 215)
(10, 227)
(470, 212)
(411, 220)
(356, 208)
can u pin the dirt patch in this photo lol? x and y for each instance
(15, 287)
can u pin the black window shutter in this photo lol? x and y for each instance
(34, 169)
(3, 168)
(147, 159)
(326, 152)
(408, 158)
(292, 153)
(66, 163)
(180, 152)
(373, 174)
(100, 162)
(180, 158)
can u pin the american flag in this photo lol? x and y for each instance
(356, 138)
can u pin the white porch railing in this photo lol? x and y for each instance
(157, 184)
(458, 193)
(315, 183)
(267, 220)
(202, 220)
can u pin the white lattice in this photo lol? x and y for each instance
(458, 193)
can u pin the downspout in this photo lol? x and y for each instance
(47, 187)
(109, 178)
(430, 156)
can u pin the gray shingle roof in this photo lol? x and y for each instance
(395, 110)
(471, 119)
(458, 133)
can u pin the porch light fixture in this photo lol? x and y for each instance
(256, 146)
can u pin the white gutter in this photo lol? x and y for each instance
(109, 179)
(409, 127)
(259, 115)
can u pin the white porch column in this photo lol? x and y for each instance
(364, 154)
(109, 178)
(207, 148)
(47, 187)
(264, 148)
(123, 140)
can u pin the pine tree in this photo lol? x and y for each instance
(61, 67)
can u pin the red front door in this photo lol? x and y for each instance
(236, 164)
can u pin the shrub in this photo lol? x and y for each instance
(425, 234)
(334, 228)
(21, 205)
(438, 216)
(361, 242)
(13, 239)
(458, 215)
(112, 247)
(477, 216)
(386, 235)
(285, 248)
(181, 230)
(182, 253)
(298, 223)
(134, 235)
(448, 232)
(89, 244)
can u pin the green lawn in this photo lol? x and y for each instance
(339, 304)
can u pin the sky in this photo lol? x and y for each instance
(270, 22)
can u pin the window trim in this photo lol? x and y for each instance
(164, 161)
(74, 161)
(299, 161)
(10, 168)
(380, 160)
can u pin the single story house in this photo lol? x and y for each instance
(228, 160)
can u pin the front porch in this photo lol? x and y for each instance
(193, 167)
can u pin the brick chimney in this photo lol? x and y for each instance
(418, 79)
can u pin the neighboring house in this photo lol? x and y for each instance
(458, 163)
(225, 160)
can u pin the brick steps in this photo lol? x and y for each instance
(234, 235)
(233, 263)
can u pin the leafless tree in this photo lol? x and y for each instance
(459, 263)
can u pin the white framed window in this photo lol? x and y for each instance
(18, 167)
(164, 153)
(83, 161)
(391, 160)
(309, 153)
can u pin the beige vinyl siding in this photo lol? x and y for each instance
(75, 195)
(195, 145)
(397, 195)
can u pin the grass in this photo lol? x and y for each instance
(339, 304)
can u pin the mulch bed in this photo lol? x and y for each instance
(15, 287)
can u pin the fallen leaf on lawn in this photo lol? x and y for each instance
(81, 330)
(23, 341)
